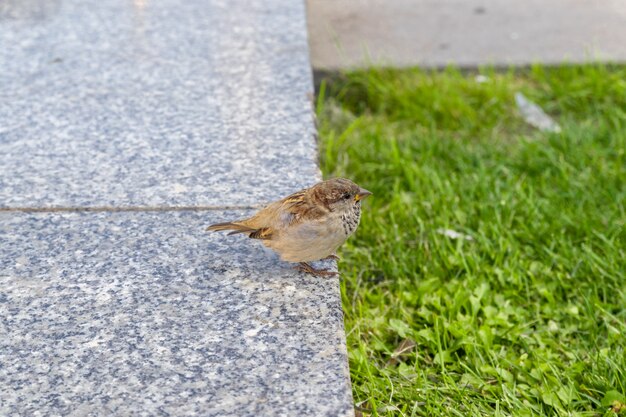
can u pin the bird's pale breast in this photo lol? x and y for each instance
(314, 240)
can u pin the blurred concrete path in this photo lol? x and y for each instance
(357, 33)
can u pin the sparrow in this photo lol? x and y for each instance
(308, 225)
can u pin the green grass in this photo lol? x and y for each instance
(529, 317)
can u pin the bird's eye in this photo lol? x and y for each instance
(345, 196)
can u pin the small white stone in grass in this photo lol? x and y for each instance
(453, 234)
(534, 115)
(553, 326)
(481, 79)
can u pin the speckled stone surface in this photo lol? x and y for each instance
(145, 314)
(153, 103)
(143, 105)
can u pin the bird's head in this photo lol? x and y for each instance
(339, 194)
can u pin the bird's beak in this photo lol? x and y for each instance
(362, 194)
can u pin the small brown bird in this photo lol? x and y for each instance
(308, 225)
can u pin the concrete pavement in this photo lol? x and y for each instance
(435, 33)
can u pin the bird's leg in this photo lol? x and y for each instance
(305, 267)
(332, 257)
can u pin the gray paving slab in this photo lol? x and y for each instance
(145, 314)
(468, 33)
(153, 103)
(127, 110)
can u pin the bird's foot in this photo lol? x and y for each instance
(305, 267)
(331, 258)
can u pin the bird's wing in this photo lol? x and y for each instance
(300, 207)
(291, 210)
(264, 233)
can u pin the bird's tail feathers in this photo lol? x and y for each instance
(235, 227)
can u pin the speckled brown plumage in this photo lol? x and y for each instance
(307, 225)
